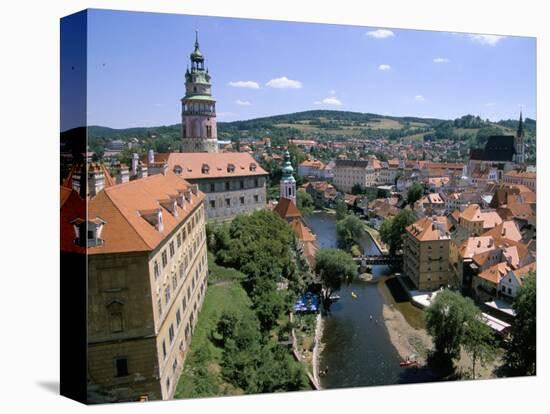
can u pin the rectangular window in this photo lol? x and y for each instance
(174, 282)
(171, 333)
(241, 183)
(156, 269)
(183, 304)
(159, 305)
(255, 198)
(174, 365)
(167, 294)
(172, 249)
(116, 322)
(242, 200)
(227, 186)
(121, 367)
(181, 271)
(164, 349)
(189, 293)
(178, 317)
(168, 384)
(256, 182)
(164, 259)
(212, 187)
(178, 238)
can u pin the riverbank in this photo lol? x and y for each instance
(375, 236)
(406, 339)
(317, 349)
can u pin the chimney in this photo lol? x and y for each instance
(77, 184)
(151, 157)
(123, 174)
(142, 171)
(135, 159)
(96, 179)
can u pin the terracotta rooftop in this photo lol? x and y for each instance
(430, 229)
(494, 273)
(122, 207)
(302, 232)
(286, 209)
(506, 230)
(216, 165)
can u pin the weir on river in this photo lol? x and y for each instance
(356, 345)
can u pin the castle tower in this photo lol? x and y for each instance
(288, 183)
(520, 144)
(198, 108)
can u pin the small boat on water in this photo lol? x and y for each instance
(407, 363)
(353, 295)
(334, 298)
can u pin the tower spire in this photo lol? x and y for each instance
(196, 39)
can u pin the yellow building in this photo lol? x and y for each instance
(426, 253)
(147, 273)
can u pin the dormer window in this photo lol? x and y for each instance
(252, 166)
(178, 170)
(205, 168)
(154, 218)
(88, 232)
(230, 168)
(180, 199)
(170, 204)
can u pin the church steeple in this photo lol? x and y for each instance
(519, 141)
(288, 183)
(520, 132)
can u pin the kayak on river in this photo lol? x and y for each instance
(353, 295)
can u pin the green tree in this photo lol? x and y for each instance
(521, 352)
(478, 342)
(446, 321)
(341, 209)
(225, 328)
(304, 203)
(334, 267)
(357, 189)
(349, 230)
(392, 229)
(414, 193)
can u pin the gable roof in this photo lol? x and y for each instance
(498, 148)
(286, 209)
(122, 207)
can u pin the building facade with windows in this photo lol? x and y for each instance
(147, 275)
(426, 253)
(233, 182)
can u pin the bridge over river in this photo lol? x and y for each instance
(377, 260)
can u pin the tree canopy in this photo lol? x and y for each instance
(334, 267)
(392, 229)
(415, 193)
(349, 230)
(521, 352)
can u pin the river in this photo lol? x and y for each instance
(356, 346)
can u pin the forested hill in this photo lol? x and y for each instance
(323, 125)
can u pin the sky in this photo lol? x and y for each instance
(137, 61)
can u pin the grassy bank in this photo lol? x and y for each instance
(201, 375)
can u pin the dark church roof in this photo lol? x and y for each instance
(498, 148)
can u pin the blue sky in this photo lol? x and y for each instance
(137, 61)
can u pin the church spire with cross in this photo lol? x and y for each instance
(198, 115)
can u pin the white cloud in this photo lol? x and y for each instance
(384, 67)
(284, 83)
(331, 100)
(242, 103)
(419, 98)
(244, 84)
(380, 33)
(332, 92)
(441, 60)
(489, 40)
(490, 104)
